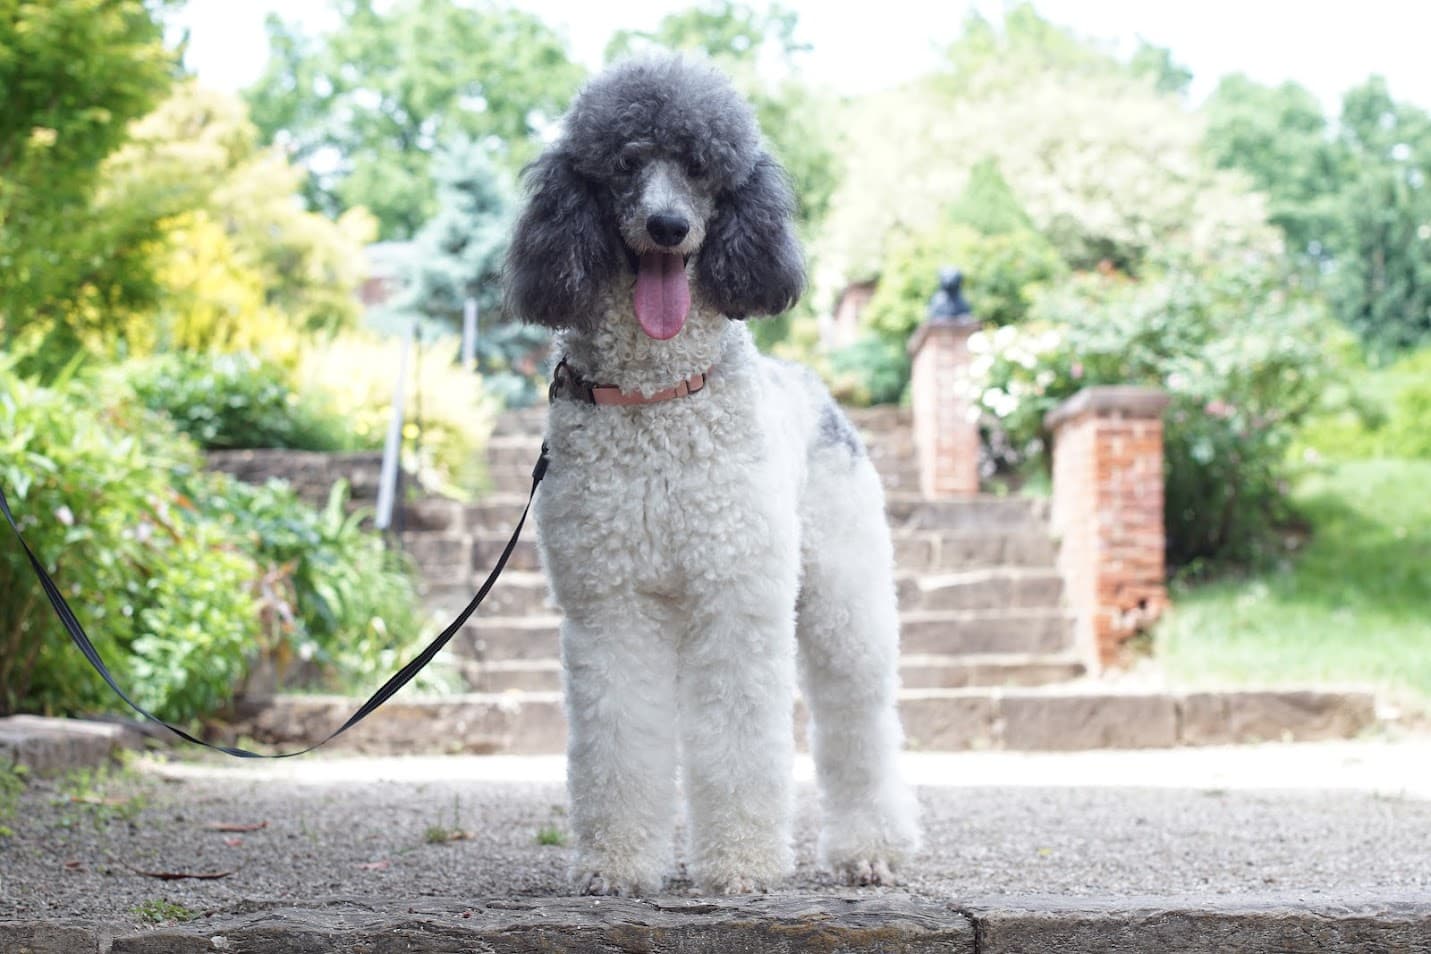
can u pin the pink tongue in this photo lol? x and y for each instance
(663, 296)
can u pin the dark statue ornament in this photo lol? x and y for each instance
(948, 303)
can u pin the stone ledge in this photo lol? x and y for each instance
(1119, 400)
(883, 923)
(1064, 717)
(716, 926)
(1288, 925)
(53, 746)
(959, 326)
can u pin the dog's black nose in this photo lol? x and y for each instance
(667, 229)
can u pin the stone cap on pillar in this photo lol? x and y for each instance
(1123, 400)
(964, 325)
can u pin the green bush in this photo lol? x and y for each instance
(1387, 414)
(873, 370)
(183, 579)
(228, 401)
(1243, 362)
(167, 597)
(338, 605)
(1002, 273)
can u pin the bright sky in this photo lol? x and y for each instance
(1326, 46)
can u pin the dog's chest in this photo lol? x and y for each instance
(648, 497)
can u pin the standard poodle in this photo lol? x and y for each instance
(706, 508)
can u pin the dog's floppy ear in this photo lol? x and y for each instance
(750, 261)
(564, 249)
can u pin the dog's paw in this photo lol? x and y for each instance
(867, 872)
(590, 881)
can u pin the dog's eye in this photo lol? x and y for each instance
(627, 162)
(697, 169)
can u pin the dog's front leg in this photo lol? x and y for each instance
(621, 749)
(736, 696)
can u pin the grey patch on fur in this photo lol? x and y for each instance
(837, 431)
(568, 246)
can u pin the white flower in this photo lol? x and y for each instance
(1000, 402)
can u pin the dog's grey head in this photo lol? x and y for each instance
(659, 167)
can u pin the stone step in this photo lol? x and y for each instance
(985, 513)
(433, 515)
(916, 672)
(995, 588)
(934, 551)
(511, 479)
(526, 422)
(487, 546)
(515, 476)
(498, 512)
(444, 559)
(906, 510)
(1060, 718)
(938, 632)
(513, 675)
(923, 671)
(441, 559)
(518, 593)
(490, 638)
(944, 632)
(881, 417)
(513, 451)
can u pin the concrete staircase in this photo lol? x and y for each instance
(988, 654)
(980, 596)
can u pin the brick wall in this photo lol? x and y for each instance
(946, 429)
(1108, 512)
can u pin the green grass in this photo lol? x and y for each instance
(159, 911)
(12, 783)
(550, 836)
(1353, 606)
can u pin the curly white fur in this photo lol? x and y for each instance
(681, 536)
(678, 537)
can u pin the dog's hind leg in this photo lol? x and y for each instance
(620, 671)
(848, 628)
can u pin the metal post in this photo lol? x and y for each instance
(469, 333)
(392, 449)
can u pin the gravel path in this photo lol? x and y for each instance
(1233, 823)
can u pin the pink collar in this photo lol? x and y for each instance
(567, 383)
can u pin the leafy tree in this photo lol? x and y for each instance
(723, 29)
(1157, 63)
(1355, 204)
(73, 73)
(460, 250)
(1107, 167)
(243, 265)
(988, 205)
(364, 106)
(1279, 137)
(459, 256)
(1382, 284)
(741, 39)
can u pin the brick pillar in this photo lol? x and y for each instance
(1108, 512)
(946, 423)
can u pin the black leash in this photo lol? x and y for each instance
(401, 678)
